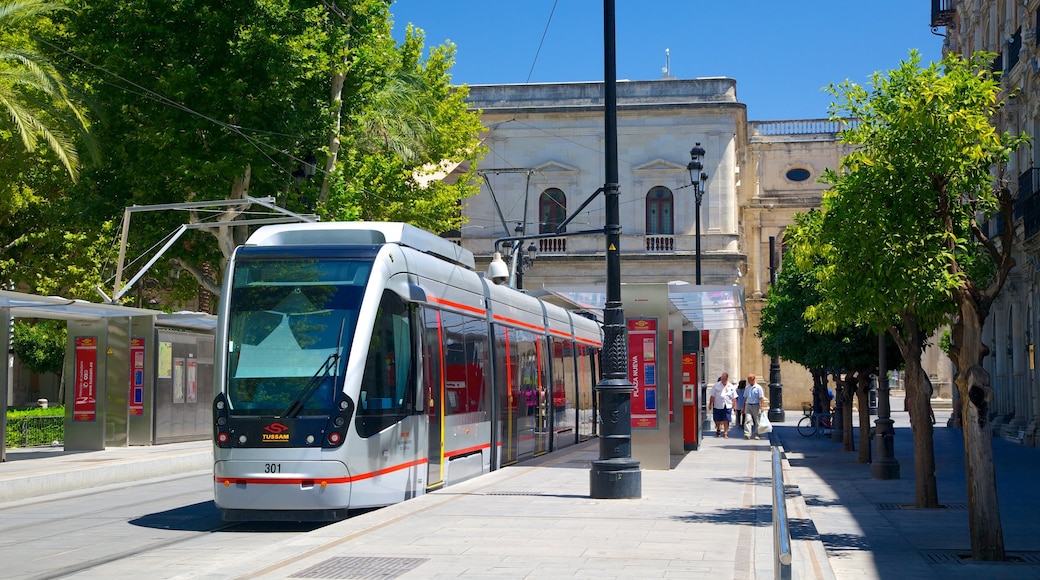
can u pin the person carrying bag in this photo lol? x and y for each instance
(753, 397)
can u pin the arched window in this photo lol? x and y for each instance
(659, 211)
(552, 210)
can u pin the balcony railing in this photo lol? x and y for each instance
(943, 12)
(658, 244)
(552, 246)
(1027, 206)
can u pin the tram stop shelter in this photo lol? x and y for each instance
(667, 328)
(132, 376)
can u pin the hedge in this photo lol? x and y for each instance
(35, 427)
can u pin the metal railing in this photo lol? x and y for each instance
(36, 431)
(660, 243)
(781, 527)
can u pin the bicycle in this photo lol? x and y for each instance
(813, 423)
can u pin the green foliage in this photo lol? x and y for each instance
(898, 224)
(36, 426)
(40, 346)
(786, 327)
(40, 105)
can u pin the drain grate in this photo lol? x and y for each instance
(910, 506)
(965, 558)
(356, 568)
(530, 493)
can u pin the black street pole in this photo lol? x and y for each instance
(698, 196)
(776, 388)
(884, 465)
(615, 475)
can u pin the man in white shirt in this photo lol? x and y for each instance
(721, 399)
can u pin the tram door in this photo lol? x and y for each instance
(525, 407)
(433, 389)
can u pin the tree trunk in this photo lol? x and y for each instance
(336, 98)
(917, 393)
(975, 392)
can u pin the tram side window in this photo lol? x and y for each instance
(465, 363)
(387, 392)
(433, 363)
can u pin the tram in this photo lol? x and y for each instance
(360, 364)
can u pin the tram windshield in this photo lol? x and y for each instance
(290, 325)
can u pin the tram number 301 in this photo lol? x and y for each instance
(272, 468)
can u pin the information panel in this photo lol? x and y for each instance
(136, 376)
(84, 406)
(643, 366)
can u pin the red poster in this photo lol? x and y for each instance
(642, 371)
(136, 376)
(84, 406)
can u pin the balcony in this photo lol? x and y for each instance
(943, 12)
(552, 246)
(658, 244)
(1027, 206)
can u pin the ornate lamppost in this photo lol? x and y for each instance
(697, 179)
(776, 388)
(884, 465)
(615, 475)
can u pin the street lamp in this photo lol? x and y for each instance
(697, 179)
(616, 474)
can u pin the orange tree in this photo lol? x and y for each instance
(905, 252)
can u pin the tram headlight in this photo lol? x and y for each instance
(242, 439)
(310, 440)
(339, 421)
(344, 405)
(220, 404)
(222, 438)
(335, 438)
(221, 421)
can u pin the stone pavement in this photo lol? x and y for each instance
(708, 517)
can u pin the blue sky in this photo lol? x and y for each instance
(781, 54)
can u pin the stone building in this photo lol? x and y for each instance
(546, 162)
(1008, 28)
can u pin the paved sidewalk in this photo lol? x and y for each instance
(870, 528)
(708, 517)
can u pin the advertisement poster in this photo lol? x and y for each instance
(178, 380)
(193, 384)
(165, 362)
(642, 371)
(84, 406)
(136, 376)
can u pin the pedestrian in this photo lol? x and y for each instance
(753, 398)
(738, 406)
(722, 396)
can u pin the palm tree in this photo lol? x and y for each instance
(32, 90)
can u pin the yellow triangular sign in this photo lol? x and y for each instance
(612, 248)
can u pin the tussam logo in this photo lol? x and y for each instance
(275, 432)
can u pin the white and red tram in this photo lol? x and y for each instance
(366, 363)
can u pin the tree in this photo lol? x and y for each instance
(39, 104)
(905, 250)
(249, 103)
(787, 332)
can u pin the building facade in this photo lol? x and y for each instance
(1008, 28)
(546, 162)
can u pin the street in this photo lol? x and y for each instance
(160, 528)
